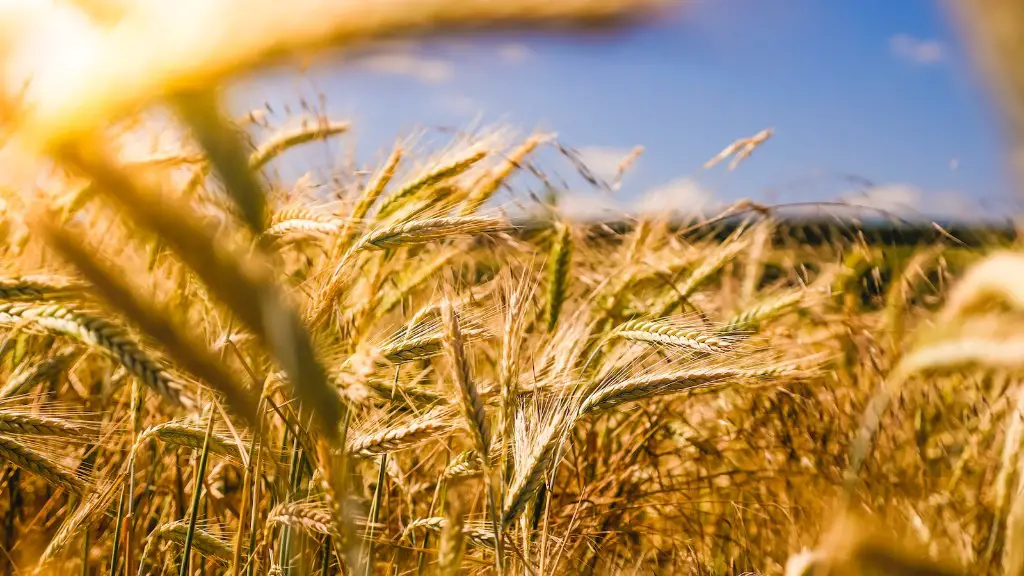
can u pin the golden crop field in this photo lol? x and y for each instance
(204, 370)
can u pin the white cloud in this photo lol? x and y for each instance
(679, 197)
(917, 50)
(954, 205)
(901, 199)
(685, 197)
(514, 53)
(910, 202)
(405, 62)
(602, 161)
(590, 206)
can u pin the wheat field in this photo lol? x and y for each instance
(207, 370)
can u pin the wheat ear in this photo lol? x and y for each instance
(470, 402)
(12, 422)
(463, 465)
(312, 517)
(37, 288)
(302, 225)
(101, 334)
(608, 396)
(308, 132)
(508, 363)
(701, 274)
(532, 471)
(750, 319)
(487, 185)
(429, 180)
(371, 193)
(400, 437)
(23, 380)
(654, 332)
(430, 230)
(190, 434)
(479, 537)
(36, 463)
(559, 260)
(472, 407)
(206, 543)
(399, 350)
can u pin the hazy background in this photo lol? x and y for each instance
(872, 101)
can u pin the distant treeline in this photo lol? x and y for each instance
(829, 231)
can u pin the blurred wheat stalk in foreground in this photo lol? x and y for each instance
(976, 332)
(145, 50)
(995, 30)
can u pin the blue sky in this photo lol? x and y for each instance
(879, 89)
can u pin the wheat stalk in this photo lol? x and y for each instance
(96, 502)
(449, 554)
